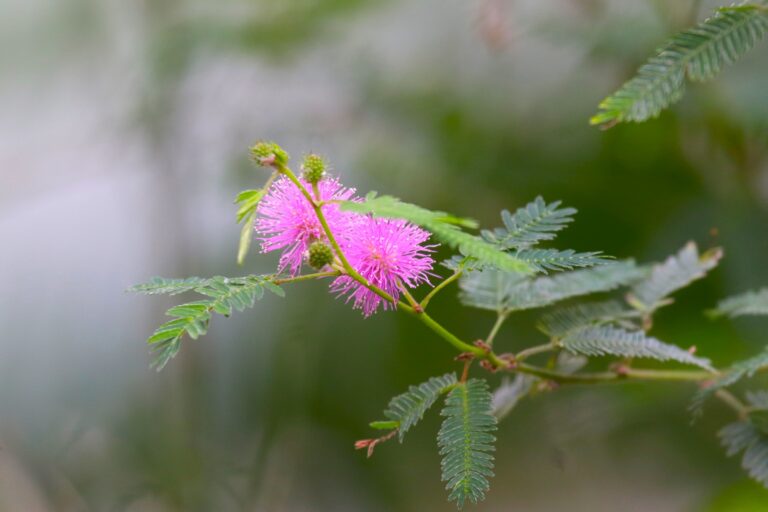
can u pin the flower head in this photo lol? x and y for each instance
(286, 220)
(388, 253)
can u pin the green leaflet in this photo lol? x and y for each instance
(676, 272)
(192, 319)
(542, 260)
(466, 441)
(561, 321)
(697, 54)
(749, 438)
(160, 285)
(408, 408)
(248, 200)
(749, 303)
(505, 292)
(535, 222)
(607, 340)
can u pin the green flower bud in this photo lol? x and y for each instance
(320, 255)
(267, 154)
(314, 168)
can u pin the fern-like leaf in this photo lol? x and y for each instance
(535, 222)
(749, 438)
(445, 227)
(677, 272)
(505, 292)
(466, 441)
(248, 202)
(607, 340)
(758, 400)
(698, 54)
(192, 319)
(408, 408)
(561, 321)
(542, 260)
(750, 303)
(163, 286)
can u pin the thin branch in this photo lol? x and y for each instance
(734, 403)
(305, 277)
(445, 282)
(624, 374)
(531, 351)
(500, 318)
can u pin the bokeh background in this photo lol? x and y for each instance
(123, 141)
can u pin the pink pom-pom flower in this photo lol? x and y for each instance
(386, 252)
(286, 220)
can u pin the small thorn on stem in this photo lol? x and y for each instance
(510, 359)
(548, 385)
(621, 369)
(464, 356)
(370, 444)
(487, 365)
(465, 372)
(482, 345)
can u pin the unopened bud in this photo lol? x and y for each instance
(268, 154)
(314, 168)
(320, 255)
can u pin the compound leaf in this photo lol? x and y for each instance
(466, 441)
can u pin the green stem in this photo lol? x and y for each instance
(500, 318)
(633, 374)
(734, 403)
(539, 349)
(439, 287)
(305, 277)
(408, 297)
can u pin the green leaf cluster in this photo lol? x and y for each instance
(192, 318)
(502, 292)
(248, 201)
(749, 303)
(609, 340)
(562, 321)
(535, 222)
(408, 408)
(675, 273)
(697, 54)
(750, 438)
(466, 441)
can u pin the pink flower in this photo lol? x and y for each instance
(386, 252)
(286, 220)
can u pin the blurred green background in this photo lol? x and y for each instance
(123, 142)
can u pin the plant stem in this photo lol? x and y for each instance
(445, 282)
(734, 403)
(305, 277)
(413, 303)
(500, 318)
(634, 374)
(539, 349)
